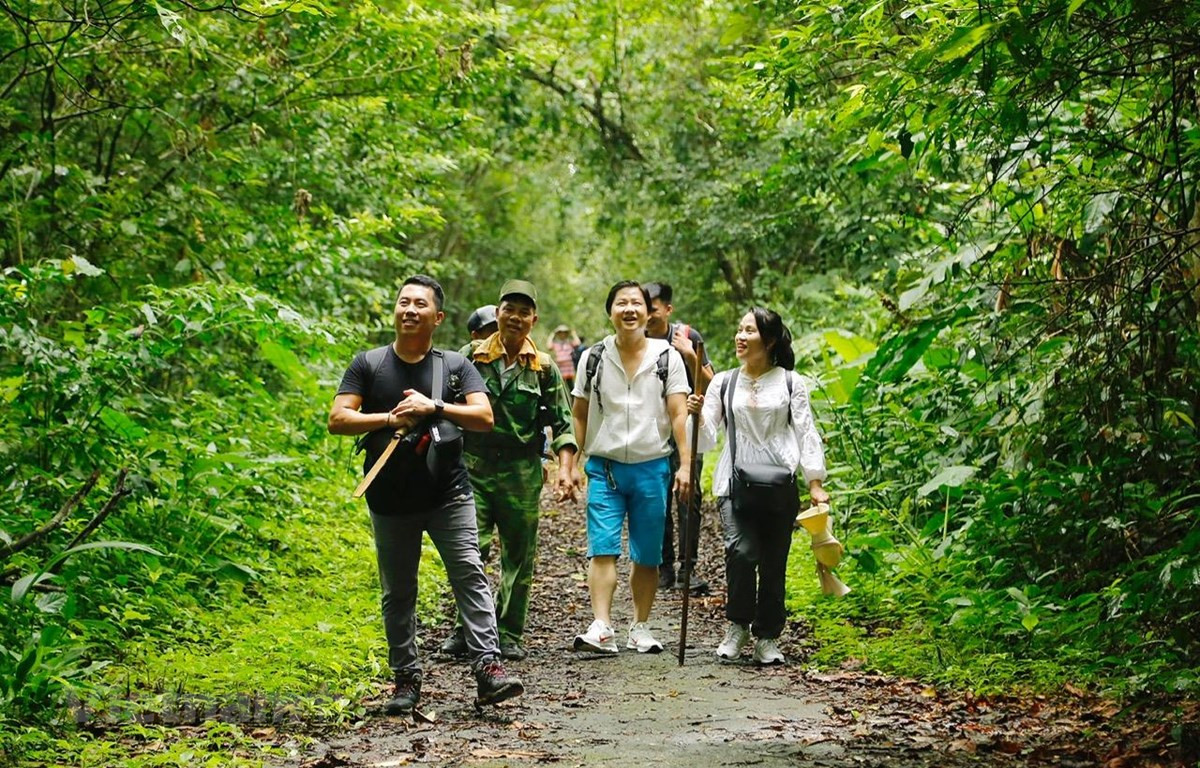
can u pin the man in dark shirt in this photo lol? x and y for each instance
(685, 340)
(424, 486)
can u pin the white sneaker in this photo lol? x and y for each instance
(737, 637)
(766, 651)
(599, 638)
(641, 640)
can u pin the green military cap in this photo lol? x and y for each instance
(519, 288)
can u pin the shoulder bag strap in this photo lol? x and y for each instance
(728, 388)
(439, 375)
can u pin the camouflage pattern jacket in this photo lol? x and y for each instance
(523, 404)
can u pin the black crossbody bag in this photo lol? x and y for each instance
(758, 488)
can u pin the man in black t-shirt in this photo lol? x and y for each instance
(686, 340)
(424, 486)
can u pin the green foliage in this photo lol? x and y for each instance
(980, 220)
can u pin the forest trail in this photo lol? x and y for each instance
(633, 709)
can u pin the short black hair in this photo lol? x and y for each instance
(776, 337)
(439, 296)
(612, 294)
(658, 290)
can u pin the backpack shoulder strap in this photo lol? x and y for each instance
(591, 380)
(375, 359)
(440, 374)
(664, 368)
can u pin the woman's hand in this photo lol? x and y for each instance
(695, 403)
(818, 494)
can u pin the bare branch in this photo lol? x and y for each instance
(118, 493)
(607, 126)
(53, 523)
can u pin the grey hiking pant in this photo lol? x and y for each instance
(452, 529)
(756, 552)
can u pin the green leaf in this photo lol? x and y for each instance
(1029, 622)
(963, 42)
(938, 358)
(21, 586)
(1097, 209)
(287, 363)
(1073, 6)
(1018, 595)
(82, 266)
(121, 424)
(11, 387)
(132, 546)
(950, 477)
(913, 295)
(896, 356)
(850, 347)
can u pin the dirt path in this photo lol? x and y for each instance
(645, 709)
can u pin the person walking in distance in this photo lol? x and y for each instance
(416, 394)
(763, 406)
(562, 345)
(688, 342)
(527, 394)
(482, 322)
(630, 398)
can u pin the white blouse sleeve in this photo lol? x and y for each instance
(812, 451)
(712, 415)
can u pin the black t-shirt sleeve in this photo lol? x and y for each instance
(469, 378)
(354, 380)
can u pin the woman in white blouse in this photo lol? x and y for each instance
(773, 425)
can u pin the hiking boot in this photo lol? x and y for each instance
(599, 638)
(456, 644)
(641, 640)
(666, 576)
(766, 651)
(695, 586)
(493, 682)
(512, 650)
(737, 637)
(406, 696)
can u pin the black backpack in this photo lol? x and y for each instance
(591, 379)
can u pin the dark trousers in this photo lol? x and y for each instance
(673, 532)
(756, 552)
(452, 529)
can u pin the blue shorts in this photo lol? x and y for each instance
(619, 491)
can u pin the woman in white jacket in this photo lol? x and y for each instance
(773, 424)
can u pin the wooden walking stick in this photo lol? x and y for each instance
(378, 465)
(693, 499)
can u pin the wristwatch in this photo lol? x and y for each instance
(438, 406)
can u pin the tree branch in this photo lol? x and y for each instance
(608, 127)
(34, 536)
(114, 498)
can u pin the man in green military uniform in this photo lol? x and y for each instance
(527, 394)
